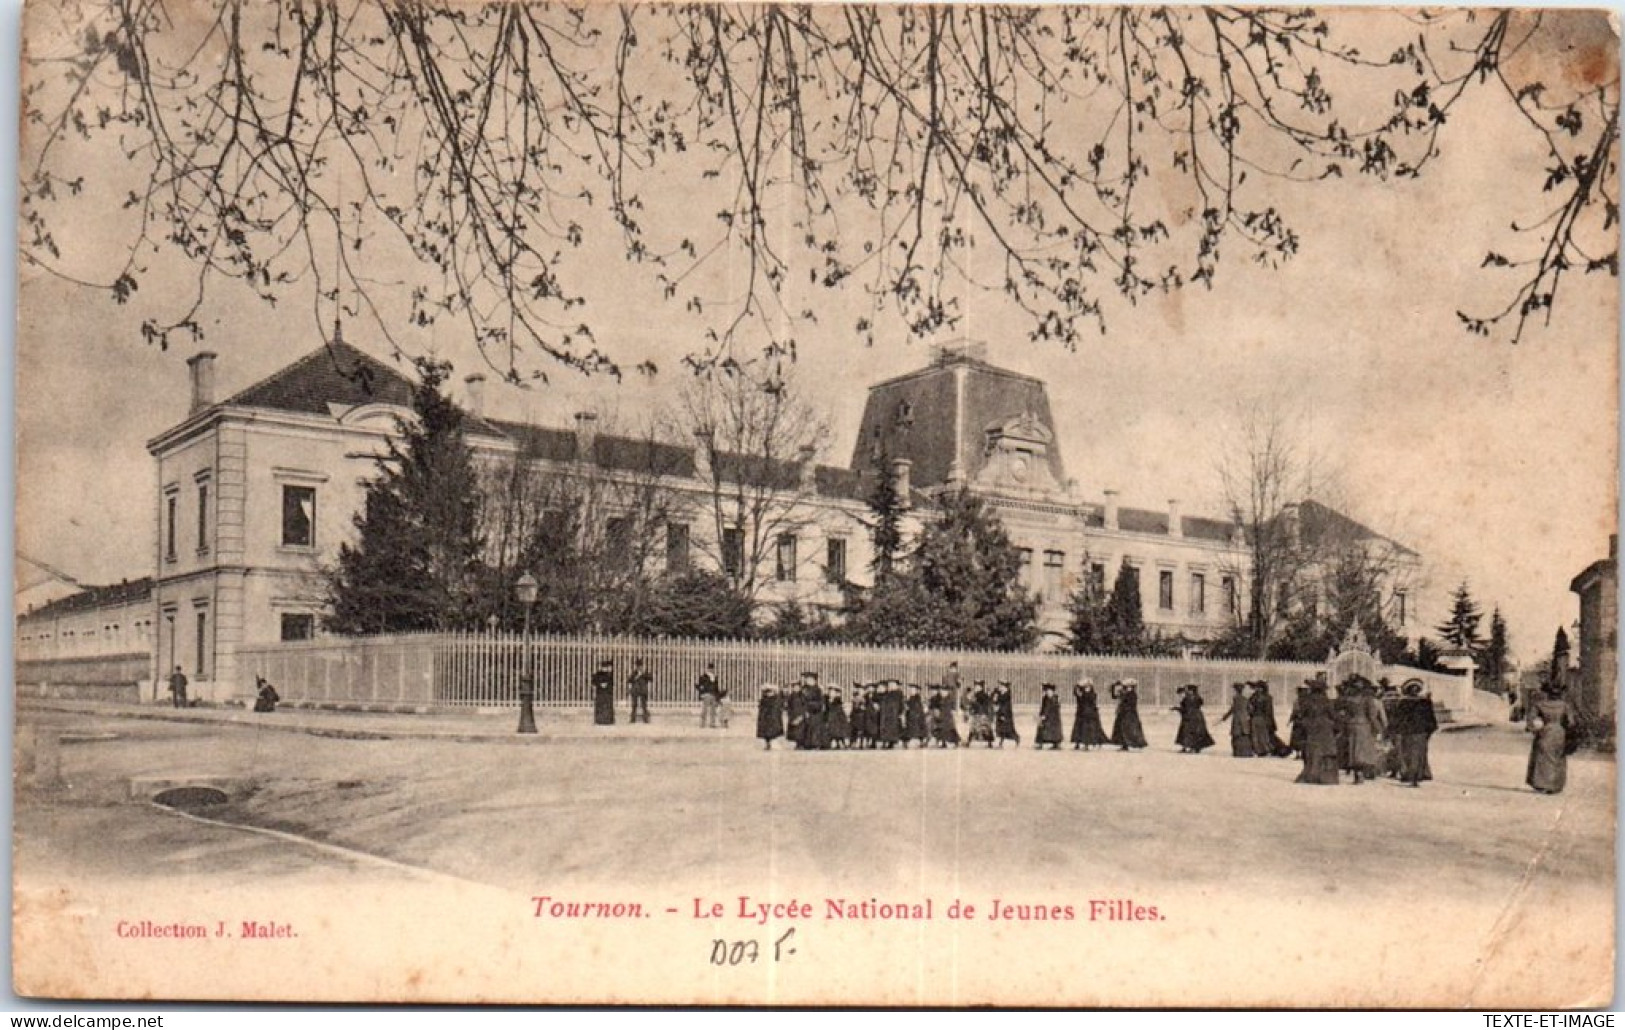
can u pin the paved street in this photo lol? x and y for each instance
(1466, 874)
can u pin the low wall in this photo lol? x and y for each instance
(483, 670)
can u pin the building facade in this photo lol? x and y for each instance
(254, 493)
(1598, 588)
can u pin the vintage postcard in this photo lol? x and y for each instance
(832, 505)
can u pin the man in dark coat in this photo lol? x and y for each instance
(1127, 733)
(637, 688)
(889, 715)
(769, 716)
(706, 687)
(177, 688)
(1049, 719)
(1004, 714)
(266, 697)
(603, 694)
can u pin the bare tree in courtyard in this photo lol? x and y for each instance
(1064, 158)
(757, 444)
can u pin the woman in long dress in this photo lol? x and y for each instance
(603, 694)
(1049, 719)
(1087, 731)
(1126, 729)
(1261, 718)
(916, 726)
(1241, 722)
(1366, 723)
(838, 728)
(1413, 723)
(1319, 738)
(1551, 723)
(1193, 735)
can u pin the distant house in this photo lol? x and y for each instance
(1598, 587)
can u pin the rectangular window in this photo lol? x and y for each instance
(733, 552)
(299, 516)
(202, 642)
(1400, 614)
(1228, 586)
(1026, 567)
(1165, 590)
(171, 502)
(785, 554)
(835, 560)
(1097, 577)
(1198, 593)
(676, 547)
(618, 540)
(298, 627)
(203, 516)
(1054, 565)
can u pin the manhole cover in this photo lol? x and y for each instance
(191, 797)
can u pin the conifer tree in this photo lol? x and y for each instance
(1125, 620)
(415, 562)
(1461, 628)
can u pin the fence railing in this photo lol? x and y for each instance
(486, 670)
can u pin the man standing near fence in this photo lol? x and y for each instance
(177, 688)
(709, 697)
(603, 694)
(637, 688)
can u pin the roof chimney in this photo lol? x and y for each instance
(807, 468)
(475, 388)
(202, 367)
(702, 456)
(1111, 509)
(586, 433)
(899, 477)
(1176, 526)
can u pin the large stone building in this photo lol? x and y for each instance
(254, 493)
(1598, 587)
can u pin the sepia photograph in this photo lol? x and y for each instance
(485, 468)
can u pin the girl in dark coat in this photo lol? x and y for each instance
(1049, 719)
(861, 717)
(1193, 735)
(1126, 730)
(603, 695)
(814, 728)
(1241, 722)
(1004, 714)
(889, 725)
(838, 726)
(1319, 738)
(769, 716)
(796, 731)
(943, 730)
(1087, 731)
(981, 714)
(915, 724)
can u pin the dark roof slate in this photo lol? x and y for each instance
(129, 591)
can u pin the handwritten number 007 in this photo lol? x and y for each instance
(736, 953)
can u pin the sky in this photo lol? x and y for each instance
(1498, 463)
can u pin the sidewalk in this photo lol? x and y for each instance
(558, 725)
(574, 725)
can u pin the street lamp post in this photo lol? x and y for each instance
(525, 591)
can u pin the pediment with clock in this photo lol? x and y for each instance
(1016, 453)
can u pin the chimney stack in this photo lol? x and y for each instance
(1111, 510)
(900, 478)
(1176, 526)
(807, 468)
(702, 456)
(475, 388)
(586, 433)
(202, 367)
